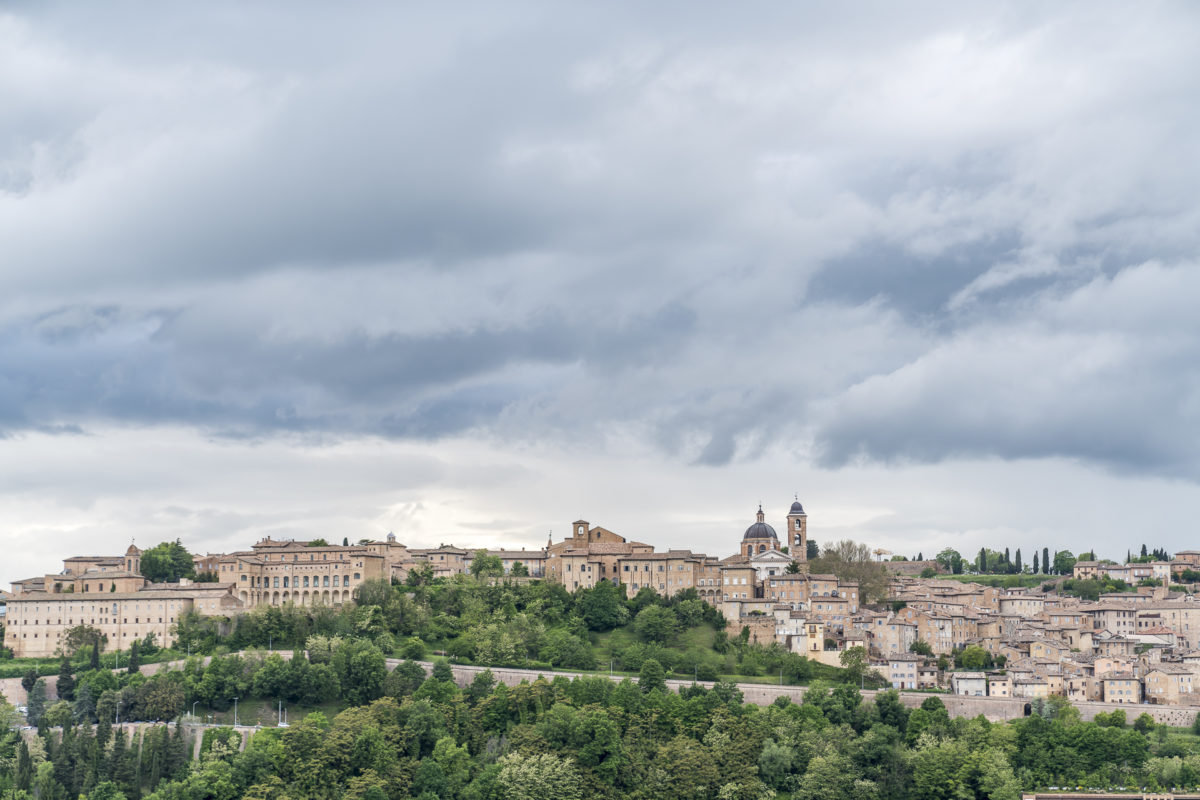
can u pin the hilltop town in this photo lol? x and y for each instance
(923, 629)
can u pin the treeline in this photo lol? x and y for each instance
(1007, 562)
(425, 738)
(536, 624)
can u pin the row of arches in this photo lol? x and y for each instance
(300, 598)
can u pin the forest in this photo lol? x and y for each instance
(368, 721)
(403, 734)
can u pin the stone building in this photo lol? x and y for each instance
(278, 572)
(37, 621)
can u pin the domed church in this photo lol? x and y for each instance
(761, 537)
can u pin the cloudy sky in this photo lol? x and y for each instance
(294, 270)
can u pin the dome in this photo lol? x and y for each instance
(797, 508)
(760, 530)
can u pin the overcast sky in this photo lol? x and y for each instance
(297, 270)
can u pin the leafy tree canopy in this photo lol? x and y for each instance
(167, 563)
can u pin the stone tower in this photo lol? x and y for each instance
(133, 559)
(797, 532)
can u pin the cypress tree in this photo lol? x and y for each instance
(177, 754)
(1046, 565)
(135, 657)
(64, 759)
(94, 663)
(1143, 551)
(983, 559)
(1017, 562)
(154, 755)
(122, 764)
(66, 680)
(1036, 565)
(24, 768)
(85, 703)
(85, 761)
(36, 703)
(103, 735)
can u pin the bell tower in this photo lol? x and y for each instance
(133, 559)
(797, 535)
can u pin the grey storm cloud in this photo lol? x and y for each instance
(900, 236)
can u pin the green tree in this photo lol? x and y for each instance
(538, 777)
(854, 661)
(79, 637)
(361, 670)
(793, 567)
(35, 703)
(656, 624)
(811, 550)
(519, 570)
(602, 607)
(167, 562)
(1046, 566)
(951, 560)
(106, 790)
(486, 566)
(974, 657)
(652, 676)
(921, 648)
(66, 680)
(317, 543)
(1064, 562)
